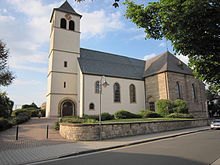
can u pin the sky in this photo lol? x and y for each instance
(25, 28)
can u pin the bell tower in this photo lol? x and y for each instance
(62, 93)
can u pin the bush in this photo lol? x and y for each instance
(180, 115)
(180, 106)
(122, 114)
(90, 121)
(149, 114)
(21, 118)
(104, 116)
(22, 112)
(72, 120)
(35, 112)
(4, 124)
(164, 107)
(57, 125)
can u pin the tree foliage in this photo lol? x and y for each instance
(6, 76)
(193, 27)
(6, 105)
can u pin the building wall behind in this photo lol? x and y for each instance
(108, 104)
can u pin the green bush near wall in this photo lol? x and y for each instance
(180, 106)
(164, 107)
(123, 114)
(149, 114)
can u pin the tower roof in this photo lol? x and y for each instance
(67, 8)
(166, 62)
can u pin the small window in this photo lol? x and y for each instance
(152, 106)
(132, 94)
(91, 106)
(193, 92)
(63, 23)
(65, 64)
(117, 92)
(71, 25)
(178, 94)
(64, 84)
(97, 87)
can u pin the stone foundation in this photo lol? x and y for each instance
(89, 132)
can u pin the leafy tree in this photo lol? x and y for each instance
(6, 105)
(6, 76)
(193, 27)
(32, 105)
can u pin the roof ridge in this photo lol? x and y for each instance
(113, 54)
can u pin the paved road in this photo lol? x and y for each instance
(201, 148)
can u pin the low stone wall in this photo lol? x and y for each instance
(88, 132)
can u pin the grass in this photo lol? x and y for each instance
(89, 121)
(142, 119)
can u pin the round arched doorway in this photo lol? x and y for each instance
(67, 108)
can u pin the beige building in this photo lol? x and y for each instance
(74, 76)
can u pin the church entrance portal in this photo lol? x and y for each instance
(67, 108)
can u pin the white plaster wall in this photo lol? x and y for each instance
(58, 79)
(60, 57)
(108, 104)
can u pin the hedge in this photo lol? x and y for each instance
(149, 114)
(123, 114)
(4, 124)
(180, 115)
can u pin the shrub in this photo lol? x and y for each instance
(122, 114)
(180, 106)
(104, 116)
(57, 125)
(149, 114)
(35, 112)
(164, 107)
(23, 112)
(4, 124)
(21, 118)
(72, 120)
(90, 121)
(180, 115)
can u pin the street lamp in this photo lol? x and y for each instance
(103, 83)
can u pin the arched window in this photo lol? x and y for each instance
(91, 106)
(193, 92)
(63, 23)
(97, 87)
(71, 25)
(116, 92)
(132, 93)
(178, 94)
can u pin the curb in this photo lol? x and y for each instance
(132, 143)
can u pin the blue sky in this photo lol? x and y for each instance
(24, 26)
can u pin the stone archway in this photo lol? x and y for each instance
(67, 108)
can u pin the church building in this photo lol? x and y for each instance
(76, 75)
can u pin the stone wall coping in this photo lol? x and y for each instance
(123, 123)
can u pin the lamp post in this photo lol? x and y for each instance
(103, 83)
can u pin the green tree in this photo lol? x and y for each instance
(6, 105)
(193, 27)
(6, 76)
(33, 106)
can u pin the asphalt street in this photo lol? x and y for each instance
(201, 148)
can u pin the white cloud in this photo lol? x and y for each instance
(163, 44)
(24, 67)
(98, 23)
(31, 82)
(183, 58)
(138, 37)
(147, 57)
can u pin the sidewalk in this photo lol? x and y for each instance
(40, 153)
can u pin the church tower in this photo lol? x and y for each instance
(62, 95)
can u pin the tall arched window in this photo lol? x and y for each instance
(132, 93)
(178, 94)
(193, 92)
(97, 87)
(116, 92)
(71, 25)
(63, 23)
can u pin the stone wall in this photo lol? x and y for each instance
(88, 132)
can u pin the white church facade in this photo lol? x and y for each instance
(74, 74)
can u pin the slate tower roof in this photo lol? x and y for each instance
(67, 8)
